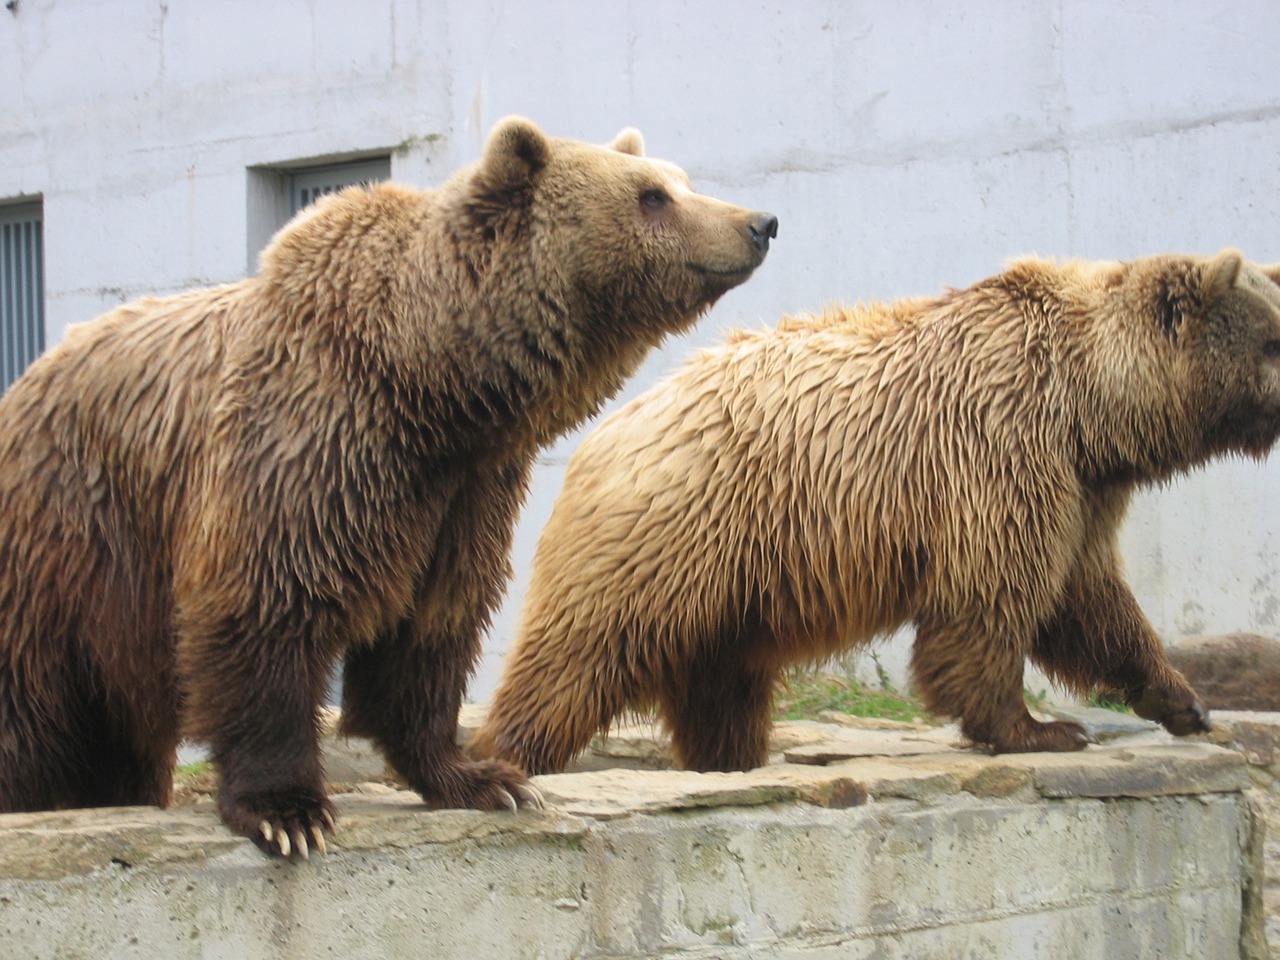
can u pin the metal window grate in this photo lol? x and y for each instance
(305, 185)
(21, 289)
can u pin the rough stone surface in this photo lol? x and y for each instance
(839, 744)
(1232, 671)
(1103, 724)
(608, 794)
(924, 764)
(1256, 736)
(930, 848)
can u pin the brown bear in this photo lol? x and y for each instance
(959, 463)
(207, 500)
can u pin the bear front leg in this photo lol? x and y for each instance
(404, 692)
(256, 705)
(972, 670)
(1100, 637)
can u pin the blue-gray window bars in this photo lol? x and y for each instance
(21, 289)
(308, 184)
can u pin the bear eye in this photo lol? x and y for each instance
(654, 199)
(1271, 349)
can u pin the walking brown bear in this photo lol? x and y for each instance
(207, 500)
(960, 463)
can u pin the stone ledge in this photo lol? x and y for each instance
(927, 848)
(64, 843)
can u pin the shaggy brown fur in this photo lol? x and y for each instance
(206, 500)
(961, 464)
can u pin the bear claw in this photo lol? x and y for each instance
(530, 796)
(283, 825)
(317, 840)
(286, 842)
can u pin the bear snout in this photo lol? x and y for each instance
(762, 227)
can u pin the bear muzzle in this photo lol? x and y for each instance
(726, 257)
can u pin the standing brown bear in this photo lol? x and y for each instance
(206, 500)
(960, 463)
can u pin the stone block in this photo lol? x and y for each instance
(787, 861)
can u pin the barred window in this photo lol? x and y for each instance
(304, 185)
(21, 288)
(276, 192)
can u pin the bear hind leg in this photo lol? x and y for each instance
(41, 762)
(120, 774)
(963, 671)
(84, 759)
(718, 707)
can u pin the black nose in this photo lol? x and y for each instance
(763, 227)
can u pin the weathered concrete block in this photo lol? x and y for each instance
(788, 861)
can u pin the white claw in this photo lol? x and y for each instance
(282, 839)
(530, 795)
(267, 832)
(328, 821)
(300, 844)
(508, 800)
(317, 839)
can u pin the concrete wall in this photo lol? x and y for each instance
(904, 146)
(1111, 854)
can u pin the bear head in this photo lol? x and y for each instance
(610, 233)
(1239, 341)
(1200, 372)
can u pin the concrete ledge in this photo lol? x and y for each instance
(944, 853)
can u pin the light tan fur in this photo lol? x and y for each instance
(208, 500)
(959, 463)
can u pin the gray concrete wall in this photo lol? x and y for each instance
(1115, 854)
(903, 145)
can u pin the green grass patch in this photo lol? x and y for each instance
(805, 694)
(196, 768)
(1108, 700)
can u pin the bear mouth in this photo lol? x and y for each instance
(724, 273)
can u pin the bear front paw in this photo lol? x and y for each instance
(485, 785)
(281, 823)
(1178, 710)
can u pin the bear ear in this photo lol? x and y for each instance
(1271, 271)
(1221, 273)
(514, 154)
(628, 140)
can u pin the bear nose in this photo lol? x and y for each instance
(762, 227)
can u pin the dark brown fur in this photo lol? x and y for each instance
(961, 464)
(208, 500)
